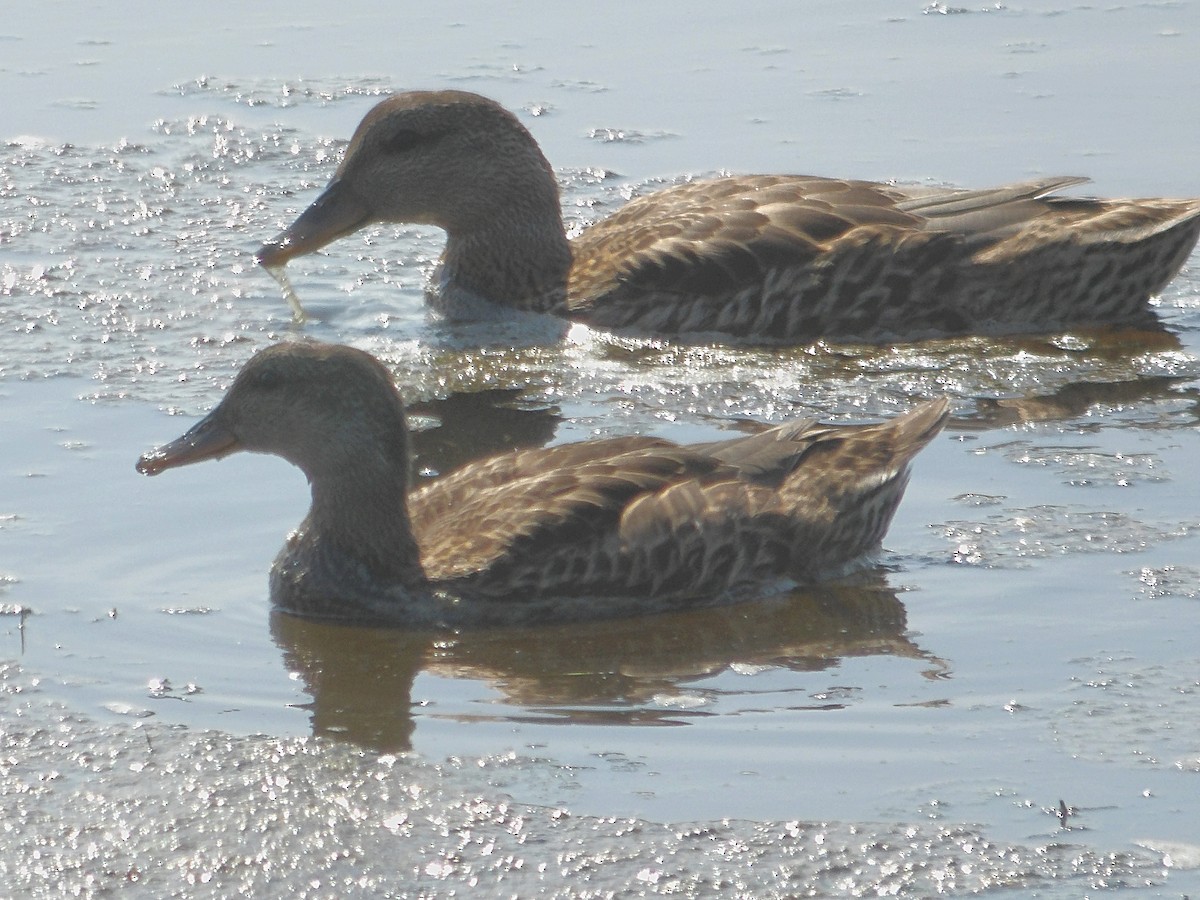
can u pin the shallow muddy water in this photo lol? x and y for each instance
(1007, 703)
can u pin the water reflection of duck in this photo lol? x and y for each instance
(360, 679)
(1073, 400)
(599, 528)
(470, 425)
(770, 257)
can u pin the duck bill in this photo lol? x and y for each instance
(207, 439)
(336, 213)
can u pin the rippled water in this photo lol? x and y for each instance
(1009, 702)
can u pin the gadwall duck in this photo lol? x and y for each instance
(779, 258)
(587, 530)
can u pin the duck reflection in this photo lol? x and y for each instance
(361, 679)
(474, 424)
(469, 426)
(1072, 400)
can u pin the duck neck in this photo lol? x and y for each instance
(364, 519)
(520, 262)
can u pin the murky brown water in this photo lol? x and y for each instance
(1008, 703)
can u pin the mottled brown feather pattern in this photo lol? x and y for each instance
(763, 257)
(624, 525)
(558, 500)
(802, 270)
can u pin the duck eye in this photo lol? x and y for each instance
(268, 380)
(403, 140)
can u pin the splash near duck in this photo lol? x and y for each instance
(597, 529)
(772, 258)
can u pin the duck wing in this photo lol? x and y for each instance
(669, 521)
(722, 234)
(496, 523)
(434, 506)
(719, 235)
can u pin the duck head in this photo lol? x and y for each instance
(326, 409)
(452, 159)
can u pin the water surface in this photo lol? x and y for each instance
(1007, 702)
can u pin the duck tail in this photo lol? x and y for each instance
(849, 499)
(919, 426)
(875, 459)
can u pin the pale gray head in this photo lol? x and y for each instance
(452, 159)
(325, 408)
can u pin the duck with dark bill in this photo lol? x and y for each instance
(771, 258)
(596, 529)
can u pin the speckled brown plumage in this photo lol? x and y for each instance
(593, 529)
(762, 257)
